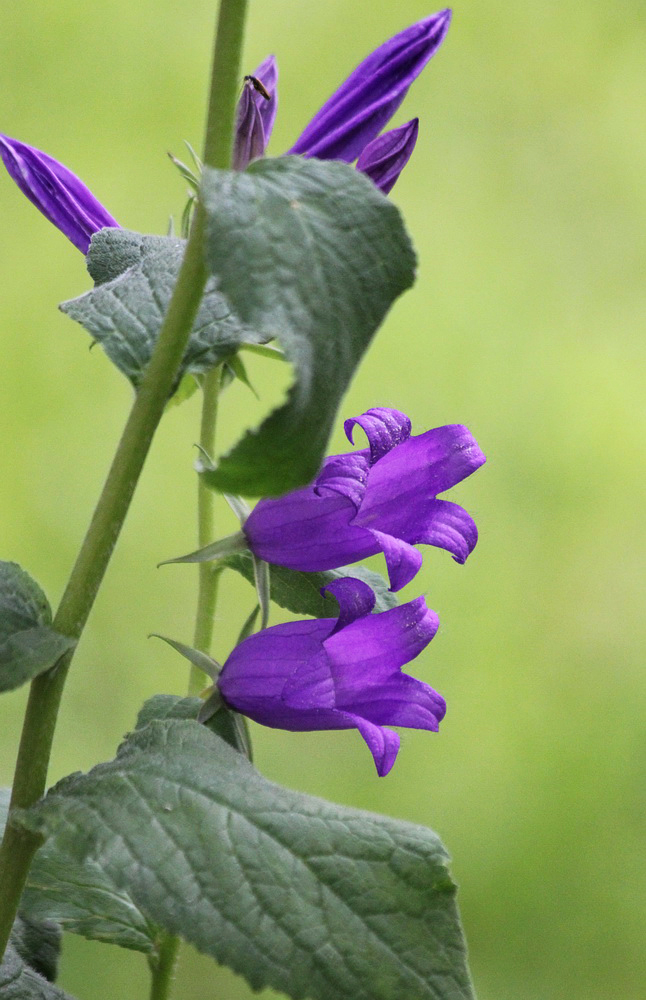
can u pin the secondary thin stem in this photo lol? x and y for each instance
(208, 572)
(162, 967)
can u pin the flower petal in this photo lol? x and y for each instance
(308, 532)
(249, 141)
(344, 474)
(356, 599)
(56, 192)
(383, 159)
(402, 483)
(383, 744)
(446, 525)
(403, 562)
(366, 101)
(384, 428)
(372, 649)
(256, 671)
(402, 701)
(267, 73)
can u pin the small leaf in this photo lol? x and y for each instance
(312, 254)
(301, 592)
(135, 275)
(18, 981)
(310, 898)
(28, 644)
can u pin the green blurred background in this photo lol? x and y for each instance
(526, 199)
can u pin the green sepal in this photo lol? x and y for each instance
(300, 592)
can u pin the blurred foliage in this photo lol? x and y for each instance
(525, 197)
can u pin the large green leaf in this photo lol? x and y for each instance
(18, 981)
(311, 253)
(28, 644)
(313, 899)
(301, 592)
(135, 275)
(80, 897)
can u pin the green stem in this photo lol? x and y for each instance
(162, 967)
(208, 572)
(19, 845)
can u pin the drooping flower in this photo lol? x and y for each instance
(55, 191)
(347, 127)
(381, 499)
(339, 673)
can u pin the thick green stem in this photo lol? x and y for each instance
(19, 846)
(162, 967)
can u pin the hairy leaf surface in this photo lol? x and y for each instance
(313, 899)
(135, 275)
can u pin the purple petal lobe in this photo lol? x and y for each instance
(382, 743)
(383, 159)
(356, 113)
(384, 428)
(368, 652)
(403, 701)
(402, 560)
(344, 474)
(56, 192)
(267, 73)
(249, 142)
(401, 484)
(356, 599)
(446, 525)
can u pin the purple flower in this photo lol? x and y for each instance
(380, 499)
(340, 673)
(348, 125)
(55, 191)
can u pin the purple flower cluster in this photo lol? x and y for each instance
(346, 128)
(345, 673)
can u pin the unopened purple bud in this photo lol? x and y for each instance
(256, 114)
(249, 143)
(56, 192)
(385, 157)
(356, 113)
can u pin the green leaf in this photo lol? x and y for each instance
(28, 644)
(80, 897)
(18, 981)
(311, 253)
(301, 592)
(135, 275)
(292, 892)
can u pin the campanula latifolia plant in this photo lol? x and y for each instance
(298, 258)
